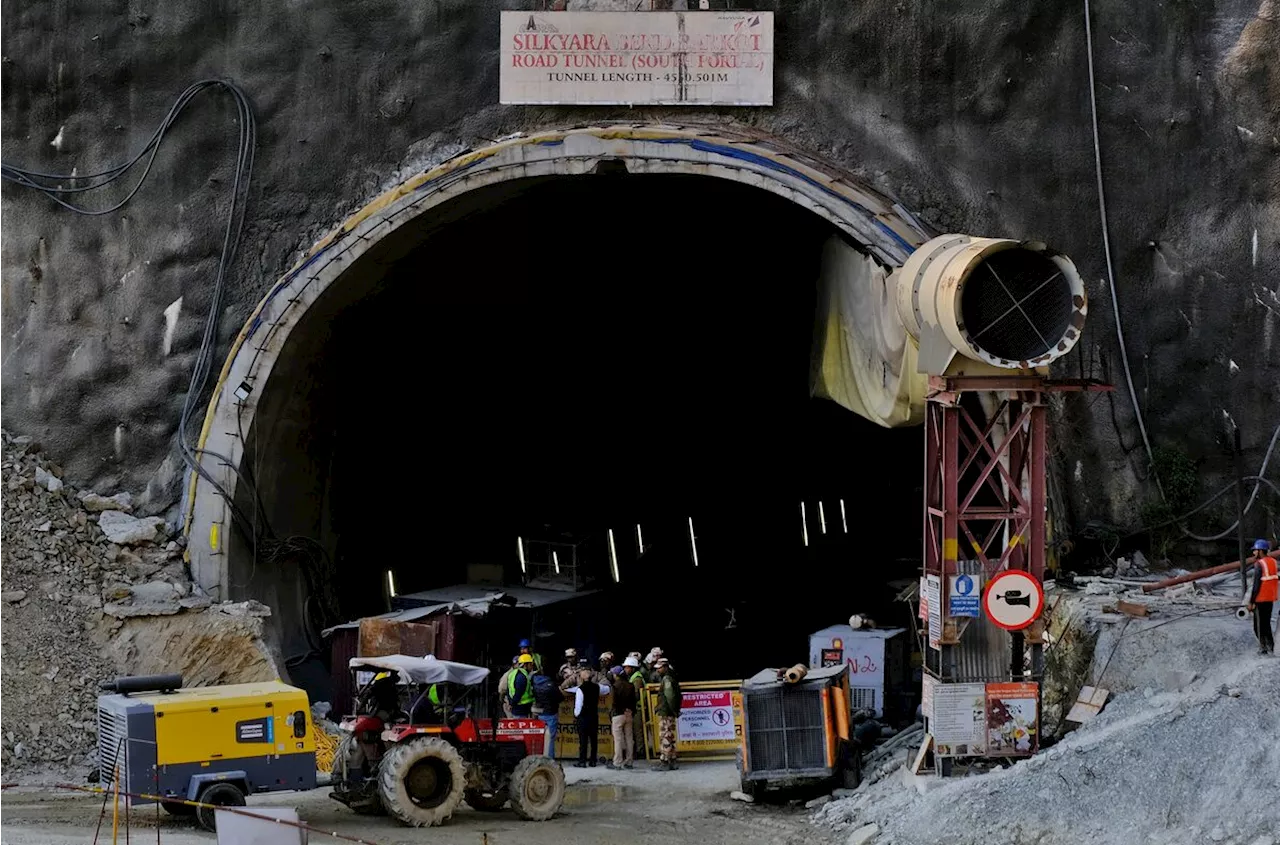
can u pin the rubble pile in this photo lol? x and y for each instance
(1188, 736)
(51, 572)
(89, 592)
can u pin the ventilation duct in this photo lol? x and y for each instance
(1015, 305)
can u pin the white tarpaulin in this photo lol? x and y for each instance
(424, 670)
(864, 359)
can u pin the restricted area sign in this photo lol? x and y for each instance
(1013, 600)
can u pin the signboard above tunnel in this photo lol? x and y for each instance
(637, 58)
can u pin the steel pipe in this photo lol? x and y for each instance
(1011, 304)
(1191, 576)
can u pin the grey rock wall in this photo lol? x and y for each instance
(976, 114)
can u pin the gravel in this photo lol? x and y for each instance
(1163, 763)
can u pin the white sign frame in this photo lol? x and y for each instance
(700, 58)
(959, 719)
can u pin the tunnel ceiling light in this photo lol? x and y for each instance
(555, 561)
(391, 583)
(639, 540)
(844, 523)
(822, 518)
(520, 552)
(613, 557)
(693, 542)
(804, 524)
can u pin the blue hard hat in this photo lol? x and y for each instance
(524, 644)
(1261, 546)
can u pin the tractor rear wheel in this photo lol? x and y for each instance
(537, 788)
(421, 782)
(219, 795)
(486, 802)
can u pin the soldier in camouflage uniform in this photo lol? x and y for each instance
(668, 711)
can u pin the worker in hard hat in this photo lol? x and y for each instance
(635, 675)
(526, 647)
(650, 674)
(568, 669)
(503, 683)
(668, 711)
(1263, 593)
(520, 687)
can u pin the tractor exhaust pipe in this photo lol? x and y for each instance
(1015, 305)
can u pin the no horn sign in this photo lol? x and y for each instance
(1013, 600)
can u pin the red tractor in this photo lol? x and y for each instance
(422, 742)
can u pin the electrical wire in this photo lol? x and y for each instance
(41, 182)
(1258, 480)
(1106, 251)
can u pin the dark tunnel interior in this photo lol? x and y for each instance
(571, 356)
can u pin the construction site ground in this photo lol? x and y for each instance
(690, 804)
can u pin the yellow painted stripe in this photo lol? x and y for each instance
(950, 549)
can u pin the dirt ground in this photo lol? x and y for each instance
(690, 805)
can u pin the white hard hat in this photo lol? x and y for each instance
(631, 662)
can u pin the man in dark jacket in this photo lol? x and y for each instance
(586, 716)
(668, 710)
(622, 713)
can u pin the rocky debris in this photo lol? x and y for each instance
(61, 571)
(1124, 776)
(47, 480)
(741, 796)
(96, 503)
(125, 530)
(864, 835)
(815, 803)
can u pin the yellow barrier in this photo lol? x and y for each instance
(710, 723)
(709, 728)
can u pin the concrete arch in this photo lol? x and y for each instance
(885, 230)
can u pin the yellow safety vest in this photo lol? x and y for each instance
(527, 696)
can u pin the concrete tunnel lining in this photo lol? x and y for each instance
(885, 230)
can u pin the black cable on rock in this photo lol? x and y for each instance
(54, 186)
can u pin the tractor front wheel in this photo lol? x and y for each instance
(537, 788)
(421, 782)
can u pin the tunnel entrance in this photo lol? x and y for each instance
(551, 358)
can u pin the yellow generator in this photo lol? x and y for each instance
(213, 745)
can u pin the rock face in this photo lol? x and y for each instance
(979, 120)
(206, 648)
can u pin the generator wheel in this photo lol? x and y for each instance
(486, 802)
(220, 795)
(177, 808)
(421, 782)
(537, 788)
(368, 804)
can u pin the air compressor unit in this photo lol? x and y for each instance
(213, 745)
